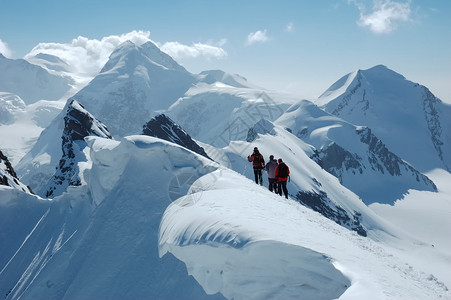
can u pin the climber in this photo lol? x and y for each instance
(271, 170)
(282, 173)
(258, 163)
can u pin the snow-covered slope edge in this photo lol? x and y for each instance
(247, 243)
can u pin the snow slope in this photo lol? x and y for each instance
(353, 154)
(411, 121)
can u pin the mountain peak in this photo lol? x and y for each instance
(130, 55)
(404, 114)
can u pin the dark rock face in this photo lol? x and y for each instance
(345, 165)
(382, 159)
(9, 177)
(319, 202)
(164, 128)
(335, 159)
(78, 124)
(430, 107)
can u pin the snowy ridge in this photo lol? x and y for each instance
(258, 246)
(353, 154)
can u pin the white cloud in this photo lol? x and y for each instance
(180, 51)
(4, 49)
(384, 15)
(289, 27)
(259, 36)
(87, 56)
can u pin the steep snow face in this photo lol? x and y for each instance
(78, 124)
(164, 128)
(136, 82)
(8, 176)
(411, 121)
(30, 82)
(100, 239)
(354, 155)
(224, 113)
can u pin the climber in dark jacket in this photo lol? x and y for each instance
(258, 163)
(282, 173)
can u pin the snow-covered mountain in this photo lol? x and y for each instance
(31, 82)
(78, 124)
(411, 121)
(164, 128)
(358, 158)
(8, 176)
(136, 82)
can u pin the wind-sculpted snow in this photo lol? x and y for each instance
(232, 255)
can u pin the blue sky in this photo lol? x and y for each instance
(297, 46)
